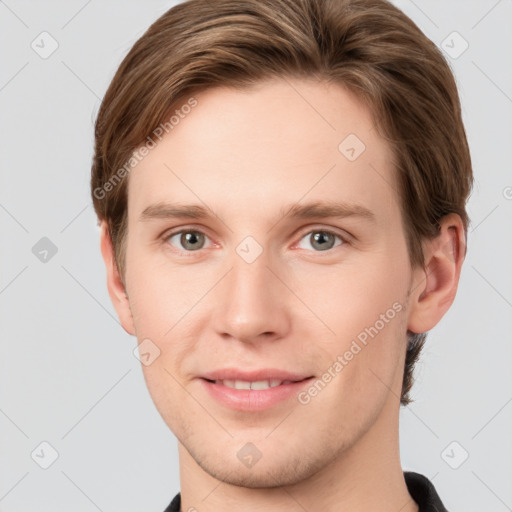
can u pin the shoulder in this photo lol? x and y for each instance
(175, 504)
(423, 492)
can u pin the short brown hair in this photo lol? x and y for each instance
(367, 46)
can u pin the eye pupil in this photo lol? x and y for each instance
(190, 237)
(320, 237)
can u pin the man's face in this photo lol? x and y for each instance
(252, 287)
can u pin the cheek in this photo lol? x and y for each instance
(364, 359)
(354, 294)
(365, 306)
(158, 297)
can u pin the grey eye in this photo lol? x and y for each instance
(321, 240)
(189, 240)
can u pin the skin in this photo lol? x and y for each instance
(246, 154)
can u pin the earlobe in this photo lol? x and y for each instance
(116, 288)
(435, 285)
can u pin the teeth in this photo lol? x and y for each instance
(259, 384)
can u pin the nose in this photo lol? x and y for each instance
(252, 303)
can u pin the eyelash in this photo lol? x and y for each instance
(167, 236)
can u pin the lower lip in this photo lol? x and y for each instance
(250, 400)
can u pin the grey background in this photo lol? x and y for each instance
(67, 372)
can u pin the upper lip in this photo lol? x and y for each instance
(254, 375)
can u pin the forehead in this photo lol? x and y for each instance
(256, 148)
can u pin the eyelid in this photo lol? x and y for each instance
(179, 229)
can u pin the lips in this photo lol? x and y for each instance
(253, 395)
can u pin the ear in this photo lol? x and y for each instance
(435, 285)
(115, 285)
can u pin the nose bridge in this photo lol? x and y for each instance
(250, 273)
(251, 301)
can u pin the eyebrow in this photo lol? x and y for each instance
(316, 209)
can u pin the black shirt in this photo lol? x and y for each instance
(420, 488)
